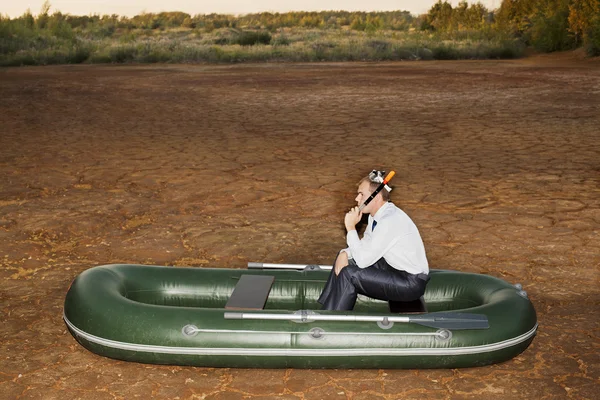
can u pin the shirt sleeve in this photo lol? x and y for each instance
(368, 250)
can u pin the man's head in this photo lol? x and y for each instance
(366, 187)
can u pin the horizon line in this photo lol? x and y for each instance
(52, 11)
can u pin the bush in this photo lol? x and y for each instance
(424, 54)
(379, 45)
(551, 34)
(404, 54)
(445, 52)
(591, 40)
(122, 54)
(100, 30)
(251, 38)
(59, 28)
(220, 41)
(99, 58)
(505, 50)
(17, 60)
(79, 54)
(281, 40)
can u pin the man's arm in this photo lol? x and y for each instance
(350, 220)
(370, 249)
(367, 251)
(373, 245)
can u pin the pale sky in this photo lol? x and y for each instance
(130, 8)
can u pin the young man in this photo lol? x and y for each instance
(388, 263)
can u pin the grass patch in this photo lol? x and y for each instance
(231, 45)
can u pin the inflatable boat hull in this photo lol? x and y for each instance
(167, 315)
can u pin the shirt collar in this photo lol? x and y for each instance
(379, 212)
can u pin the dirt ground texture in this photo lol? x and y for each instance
(498, 163)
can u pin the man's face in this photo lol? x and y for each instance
(364, 191)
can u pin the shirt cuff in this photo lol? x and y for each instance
(352, 238)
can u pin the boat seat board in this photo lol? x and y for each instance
(251, 292)
(403, 307)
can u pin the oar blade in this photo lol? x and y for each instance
(452, 321)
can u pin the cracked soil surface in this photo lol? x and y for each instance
(498, 163)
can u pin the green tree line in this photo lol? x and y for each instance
(389, 20)
(546, 25)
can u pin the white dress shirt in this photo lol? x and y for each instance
(395, 238)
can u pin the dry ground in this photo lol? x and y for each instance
(498, 164)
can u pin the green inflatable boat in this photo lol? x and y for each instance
(268, 317)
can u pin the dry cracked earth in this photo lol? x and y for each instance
(498, 163)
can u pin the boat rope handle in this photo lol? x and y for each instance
(310, 316)
(193, 330)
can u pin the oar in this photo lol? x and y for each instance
(306, 267)
(452, 321)
(442, 320)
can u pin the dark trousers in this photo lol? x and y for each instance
(380, 281)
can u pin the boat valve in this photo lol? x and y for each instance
(443, 335)
(520, 290)
(385, 323)
(313, 267)
(317, 333)
(190, 330)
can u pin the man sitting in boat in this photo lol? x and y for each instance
(388, 263)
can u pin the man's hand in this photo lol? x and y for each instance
(352, 218)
